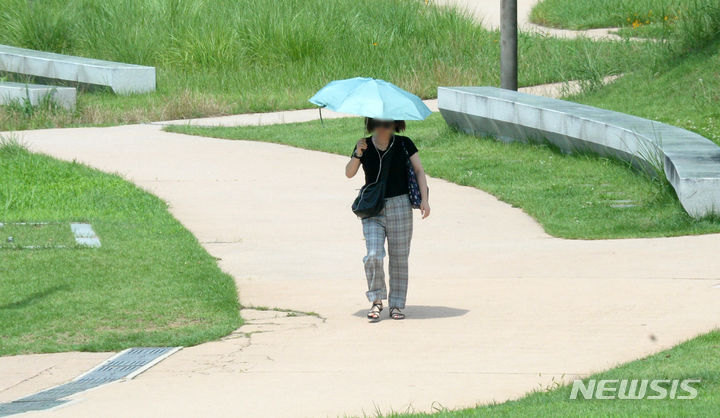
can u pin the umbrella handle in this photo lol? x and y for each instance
(321, 119)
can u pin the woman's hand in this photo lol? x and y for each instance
(361, 147)
(424, 209)
(354, 164)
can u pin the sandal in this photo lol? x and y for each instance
(396, 314)
(374, 312)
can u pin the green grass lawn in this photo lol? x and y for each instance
(150, 284)
(687, 24)
(571, 196)
(685, 93)
(573, 14)
(698, 358)
(235, 56)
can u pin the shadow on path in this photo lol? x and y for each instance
(423, 312)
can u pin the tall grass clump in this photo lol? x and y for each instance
(572, 14)
(38, 25)
(698, 25)
(10, 145)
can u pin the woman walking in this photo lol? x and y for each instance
(394, 222)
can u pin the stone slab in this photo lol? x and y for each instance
(63, 96)
(122, 78)
(85, 235)
(689, 161)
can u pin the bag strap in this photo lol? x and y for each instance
(402, 143)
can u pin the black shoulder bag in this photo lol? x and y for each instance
(371, 198)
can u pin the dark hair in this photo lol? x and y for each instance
(371, 123)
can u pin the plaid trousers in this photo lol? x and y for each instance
(395, 223)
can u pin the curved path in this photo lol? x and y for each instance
(488, 12)
(496, 306)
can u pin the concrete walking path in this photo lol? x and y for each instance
(496, 306)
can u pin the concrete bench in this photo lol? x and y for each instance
(689, 161)
(122, 78)
(11, 92)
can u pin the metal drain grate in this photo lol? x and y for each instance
(124, 365)
(15, 407)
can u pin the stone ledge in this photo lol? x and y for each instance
(122, 78)
(63, 96)
(689, 161)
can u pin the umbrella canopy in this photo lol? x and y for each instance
(372, 98)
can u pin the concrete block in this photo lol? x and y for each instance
(689, 161)
(63, 96)
(122, 78)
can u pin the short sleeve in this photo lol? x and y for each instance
(410, 146)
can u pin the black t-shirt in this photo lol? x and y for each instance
(397, 177)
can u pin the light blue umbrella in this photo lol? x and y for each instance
(372, 98)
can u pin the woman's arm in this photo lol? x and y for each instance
(422, 184)
(352, 167)
(354, 164)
